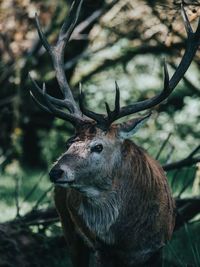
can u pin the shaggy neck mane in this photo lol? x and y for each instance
(100, 214)
(137, 172)
(142, 172)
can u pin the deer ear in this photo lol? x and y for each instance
(127, 129)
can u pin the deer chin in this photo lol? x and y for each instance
(64, 183)
(89, 191)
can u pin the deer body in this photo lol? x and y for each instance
(112, 198)
(121, 208)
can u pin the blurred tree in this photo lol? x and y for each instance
(23, 115)
(123, 40)
(112, 34)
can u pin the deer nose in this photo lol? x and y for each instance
(55, 174)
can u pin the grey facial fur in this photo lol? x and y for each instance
(88, 172)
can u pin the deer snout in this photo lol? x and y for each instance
(55, 175)
(61, 176)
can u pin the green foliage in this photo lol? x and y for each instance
(27, 198)
(184, 248)
(139, 76)
(54, 144)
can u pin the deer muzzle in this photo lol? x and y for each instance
(61, 177)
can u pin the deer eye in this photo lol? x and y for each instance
(97, 148)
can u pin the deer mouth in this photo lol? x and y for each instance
(65, 183)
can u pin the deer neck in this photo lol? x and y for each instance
(100, 214)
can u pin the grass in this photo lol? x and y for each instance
(183, 249)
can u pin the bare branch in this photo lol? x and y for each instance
(33, 189)
(163, 146)
(188, 180)
(17, 180)
(42, 197)
(188, 161)
(187, 209)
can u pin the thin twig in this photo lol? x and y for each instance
(16, 193)
(35, 207)
(194, 151)
(180, 164)
(188, 161)
(188, 182)
(170, 154)
(30, 193)
(163, 146)
(174, 178)
(86, 23)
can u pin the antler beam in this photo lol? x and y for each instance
(75, 112)
(45, 101)
(192, 45)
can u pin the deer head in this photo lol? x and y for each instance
(96, 150)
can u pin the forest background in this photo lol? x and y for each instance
(115, 40)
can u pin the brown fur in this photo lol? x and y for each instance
(146, 211)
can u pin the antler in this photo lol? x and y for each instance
(74, 114)
(193, 42)
(45, 101)
(101, 119)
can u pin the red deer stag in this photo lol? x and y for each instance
(112, 197)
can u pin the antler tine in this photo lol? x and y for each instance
(117, 98)
(49, 102)
(188, 27)
(59, 113)
(59, 102)
(102, 120)
(99, 118)
(41, 34)
(108, 110)
(39, 104)
(112, 115)
(166, 76)
(49, 107)
(191, 48)
(57, 53)
(68, 26)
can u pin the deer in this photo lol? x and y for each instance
(113, 199)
